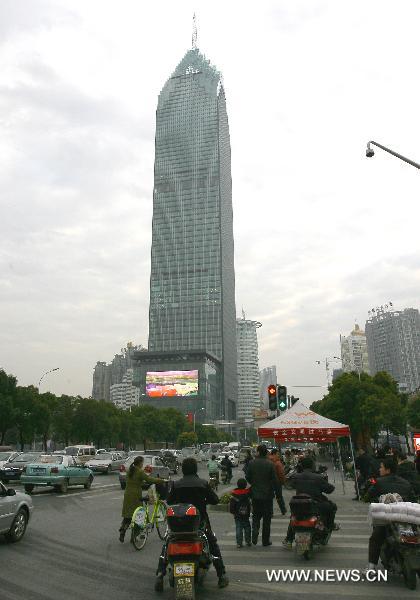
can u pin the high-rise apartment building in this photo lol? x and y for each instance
(192, 281)
(248, 370)
(124, 395)
(393, 342)
(105, 375)
(268, 376)
(354, 354)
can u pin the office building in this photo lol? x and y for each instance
(192, 282)
(105, 375)
(248, 370)
(125, 395)
(393, 343)
(354, 354)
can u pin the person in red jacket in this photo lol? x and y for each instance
(240, 507)
(278, 465)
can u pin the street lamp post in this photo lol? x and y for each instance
(46, 373)
(370, 152)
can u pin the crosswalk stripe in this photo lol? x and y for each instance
(337, 536)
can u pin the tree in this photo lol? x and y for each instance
(24, 413)
(7, 397)
(413, 411)
(187, 438)
(43, 409)
(367, 406)
(62, 420)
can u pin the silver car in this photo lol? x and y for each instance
(15, 511)
(105, 462)
(152, 465)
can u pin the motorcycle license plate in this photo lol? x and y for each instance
(303, 541)
(184, 569)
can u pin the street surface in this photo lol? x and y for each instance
(71, 551)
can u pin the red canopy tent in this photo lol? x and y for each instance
(301, 424)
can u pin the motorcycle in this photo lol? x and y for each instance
(187, 550)
(400, 554)
(308, 527)
(225, 475)
(214, 480)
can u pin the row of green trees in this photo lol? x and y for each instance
(26, 416)
(369, 406)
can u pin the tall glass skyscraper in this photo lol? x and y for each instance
(192, 282)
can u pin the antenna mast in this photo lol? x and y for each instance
(194, 33)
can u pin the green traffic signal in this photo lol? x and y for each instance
(282, 397)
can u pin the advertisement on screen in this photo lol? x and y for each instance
(163, 384)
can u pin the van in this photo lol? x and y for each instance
(81, 453)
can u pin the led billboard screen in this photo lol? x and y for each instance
(161, 384)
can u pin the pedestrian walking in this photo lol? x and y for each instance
(136, 478)
(247, 460)
(264, 484)
(278, 465)
(240, 508)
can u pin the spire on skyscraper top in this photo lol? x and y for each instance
(194, 33)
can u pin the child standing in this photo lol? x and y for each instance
(240, 507)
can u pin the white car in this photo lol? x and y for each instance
(105, 462)
(15, 510)
(6, 456)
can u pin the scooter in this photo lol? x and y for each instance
(400, 554)
(308, 527)
(225, 475)
(214, 480)
(187, 550)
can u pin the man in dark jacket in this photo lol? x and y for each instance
(388, 483)
(227, 466)
(264, 482)
(366, 466)
(407, 470)
(190, 489)
(313, 484)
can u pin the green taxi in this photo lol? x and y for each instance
(57, 470)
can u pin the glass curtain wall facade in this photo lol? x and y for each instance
(192, 283)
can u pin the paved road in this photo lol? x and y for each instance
(71, 551)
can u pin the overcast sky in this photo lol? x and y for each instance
(322, 234)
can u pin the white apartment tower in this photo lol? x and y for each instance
(354, 354)
(124, 395)
(248, 370)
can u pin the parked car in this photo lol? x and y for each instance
(170, 460)
(13, 469)
(153, 466)
(57, 471)
(7, 456)
(81, 453)
(15, 511)
(105, 462)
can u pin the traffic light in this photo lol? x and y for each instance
(293, 400)
(282, 397)
(272, 397)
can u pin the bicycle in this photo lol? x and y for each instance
(142, 522)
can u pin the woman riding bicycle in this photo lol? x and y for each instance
(136, 478)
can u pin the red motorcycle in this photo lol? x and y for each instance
(308, 527)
